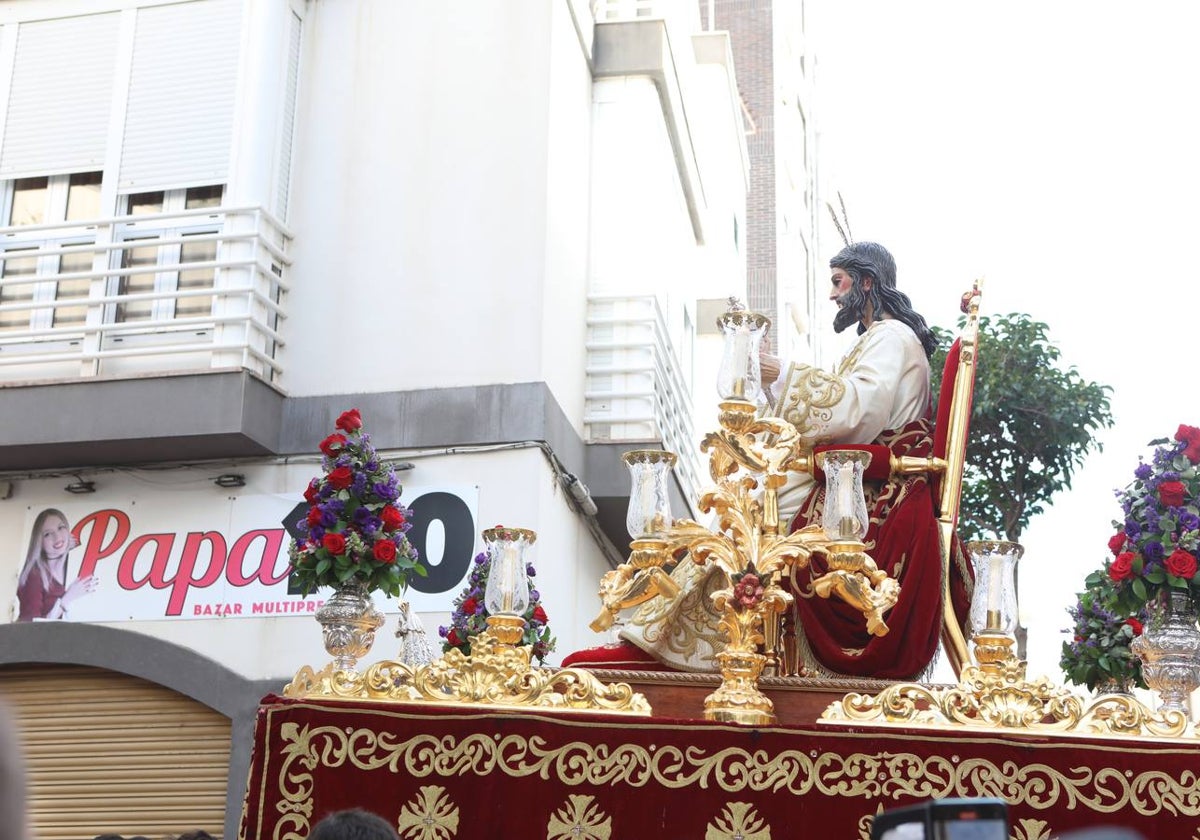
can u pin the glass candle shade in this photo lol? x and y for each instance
(994, 605)
(507, 590)
(740, 376)
(845, 517)
(649, 514)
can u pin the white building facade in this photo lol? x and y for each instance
(484, 225)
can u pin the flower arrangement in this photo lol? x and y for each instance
(1098, 652)
(1158, 542)
(469, 617)
(356, 526)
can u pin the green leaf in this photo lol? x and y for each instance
(1139, 588)
(1156, 575)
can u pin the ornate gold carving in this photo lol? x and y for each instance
(1000, 697)
(853, 576)
(579, 818)
(431, 815)
(635, 582)
(495, 674)
(506, 629)
(739, 821)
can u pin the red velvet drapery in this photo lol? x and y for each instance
(440, 773)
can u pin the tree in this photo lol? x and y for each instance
(1032, 425)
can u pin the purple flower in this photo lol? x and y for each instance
(534, 596)
(1143, 471)
(1153, 551)
(529, 570)
(1189, 521)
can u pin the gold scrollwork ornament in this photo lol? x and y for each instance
(495, 674)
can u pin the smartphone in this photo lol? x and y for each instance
(944, 819)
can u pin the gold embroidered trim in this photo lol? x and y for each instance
(580, 818)
(809, 395)
(430, 815)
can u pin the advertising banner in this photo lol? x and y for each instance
(182, 556)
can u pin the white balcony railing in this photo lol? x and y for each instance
(636, 391)
(131, 295)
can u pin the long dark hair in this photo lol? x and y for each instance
(870, 259)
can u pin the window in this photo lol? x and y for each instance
(167, 255)
(55, 264)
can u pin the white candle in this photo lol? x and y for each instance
(845, 493)
(741, 362)
(995, 578)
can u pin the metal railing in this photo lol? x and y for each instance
(153, 293)
(636, 390)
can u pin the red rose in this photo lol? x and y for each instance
(1181, 564)
(391, 518)
(1191, 436)
(385, 551)
(1134, 625)
(333, 444)
(340, 477)
(1122, 566)
(469, 606)
(349, 421)
(1116, 542)
(334, 543)
(1170, 493)
(314, 516)
(310, 492)
(539, 614)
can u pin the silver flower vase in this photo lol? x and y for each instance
(348, 622)
(1170, 650)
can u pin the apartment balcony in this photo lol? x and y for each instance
(637, 397)
(141, 337)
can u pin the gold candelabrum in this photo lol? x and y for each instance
(750, 458)
(995, 693)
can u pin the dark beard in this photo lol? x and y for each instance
(852, 311)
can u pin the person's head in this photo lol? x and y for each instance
(354, 824)
(50, 539)
(198, 834)
(864, 288)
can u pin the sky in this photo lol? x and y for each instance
(1052, 149)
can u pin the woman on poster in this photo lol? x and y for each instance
(42, 590)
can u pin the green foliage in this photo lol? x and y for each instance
(1032, 425)
(1098, 651)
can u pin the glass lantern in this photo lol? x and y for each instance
(845, 517)
(994, 604)
(507, 592)
(740, 375)
(649, 515)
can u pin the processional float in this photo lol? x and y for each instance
(749, 461)
(750, 458)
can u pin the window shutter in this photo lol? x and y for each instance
(110, 753)
(287, 128)
(60, 96)
(179, 119)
